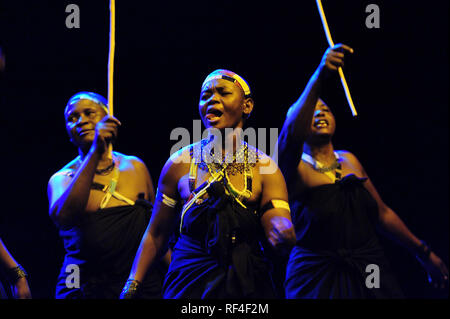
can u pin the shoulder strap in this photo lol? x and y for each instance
(111, 189)
(192, 169)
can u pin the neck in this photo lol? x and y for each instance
(228, 140)
(104, 160)
(323, 153)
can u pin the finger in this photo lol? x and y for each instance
(342, 47)
(116, 120)
(271, 241)
(331, 66)
(109, 126)
(275, 237)
(110, 119)
(336, 61)
(336, 54)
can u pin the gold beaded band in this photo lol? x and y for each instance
(16, 273)
(131, 288)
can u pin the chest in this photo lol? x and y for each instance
(237, 182)
(311, 177)
(128, 184)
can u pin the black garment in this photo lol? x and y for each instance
(336, 241)
(104, 247)
(218, 254)
(3, 294)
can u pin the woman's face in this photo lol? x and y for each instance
(222, 105)
(323, 123)
(81, 119)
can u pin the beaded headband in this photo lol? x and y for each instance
(229, 76)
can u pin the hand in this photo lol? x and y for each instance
(21, 290)
(333, 58)
(131, 289)
(105, 133)
(282, 233)
(436, 270)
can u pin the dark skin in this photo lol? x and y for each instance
(309, 128)
(92, 131)
(20, 288)
(222, 105)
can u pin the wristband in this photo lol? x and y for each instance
(14, 274)
(424, 252)
(130, 289)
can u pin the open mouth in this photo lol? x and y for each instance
(321, 123)
(213, 115)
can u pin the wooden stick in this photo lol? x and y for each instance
(112, 46)
(331, 44)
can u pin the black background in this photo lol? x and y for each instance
(398, 77)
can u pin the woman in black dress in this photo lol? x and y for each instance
(230, 206)
(336, 208)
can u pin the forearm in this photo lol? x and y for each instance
(6, 259)
(148, 252)
(396, 228)
(301, 112)
(74, 200)
(298, 125)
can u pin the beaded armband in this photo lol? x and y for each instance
(166, 199)
(14, 274)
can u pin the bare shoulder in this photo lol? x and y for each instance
(59, 181)
(351, 159)
(265, 164)
(347, 155)
(131, 160)
(65, 173)
(178, 163)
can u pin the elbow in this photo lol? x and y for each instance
(60, 217)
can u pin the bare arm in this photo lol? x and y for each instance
(297, 125)
(143, 172)
(21, 290)
(391, 223)
(160, 227)
(68, 197)
(276, 222)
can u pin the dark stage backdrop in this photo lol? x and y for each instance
(398, 77)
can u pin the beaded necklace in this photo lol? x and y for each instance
(242, 161)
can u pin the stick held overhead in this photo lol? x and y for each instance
(112, 46)
(331, 44)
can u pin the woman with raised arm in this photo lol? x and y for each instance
(336, 208)
(101, 204)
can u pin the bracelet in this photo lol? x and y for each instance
(130, 289)
(424, 252)
(14, 274)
